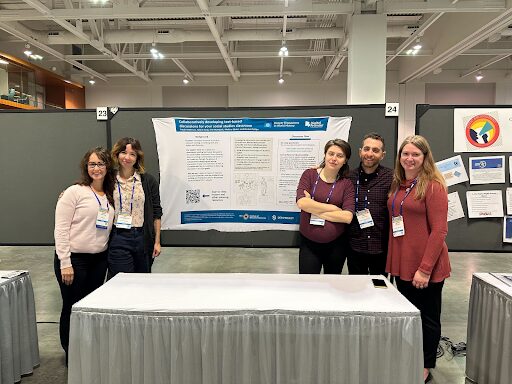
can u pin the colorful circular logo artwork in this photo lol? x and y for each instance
(482, 131)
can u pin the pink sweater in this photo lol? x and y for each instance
(423, 246)
(75, 224)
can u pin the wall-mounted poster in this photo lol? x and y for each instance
(238, 174)
(487, 170)
(453, 170)
(484, 204)
(455, 210)
(482, 130)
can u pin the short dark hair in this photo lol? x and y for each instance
(347, 151)
(121, 146)
(374, 136)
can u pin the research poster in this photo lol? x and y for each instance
(483, 204)
(487, 170)
(507, 229)
(482, 130)
(453, 170)
(455, 210)
(238, 174)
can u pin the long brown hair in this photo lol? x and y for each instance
(121, 146)
(109, 181)
(428, 173)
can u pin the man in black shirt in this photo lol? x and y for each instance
(368, 233)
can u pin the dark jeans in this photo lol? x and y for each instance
(428, 301)
(313, 256)
(89, 274)
(126, 252)
(364, 263)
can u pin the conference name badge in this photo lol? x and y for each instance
(315, 220)
(124, 220)
(398, 226)
(102, 219)
(364, 218)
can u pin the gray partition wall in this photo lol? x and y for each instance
(436, 124)
(137, 123)
(40, 152)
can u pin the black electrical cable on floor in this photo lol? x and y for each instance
(445, 344)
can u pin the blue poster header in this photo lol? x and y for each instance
(487, 163)
(233, 216)
(248, 124)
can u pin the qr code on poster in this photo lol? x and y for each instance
(193, 196)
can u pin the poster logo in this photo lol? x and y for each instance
(482, 131)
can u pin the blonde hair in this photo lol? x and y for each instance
(428, 173)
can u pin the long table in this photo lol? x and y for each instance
(489, 343)
(244, 328)
(19, 350)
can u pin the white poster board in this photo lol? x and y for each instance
(238, 174)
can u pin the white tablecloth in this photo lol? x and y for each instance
(244, 328)
(489, 344)
(19, 351)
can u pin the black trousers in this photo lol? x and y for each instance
(428, 301)
(89, 274)
(313, 256)
(126, 252)
(365, 263)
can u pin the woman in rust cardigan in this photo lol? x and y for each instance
(417, 253)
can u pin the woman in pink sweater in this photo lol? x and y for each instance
(83, 220)
(417, 252)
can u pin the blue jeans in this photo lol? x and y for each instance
(126, 252)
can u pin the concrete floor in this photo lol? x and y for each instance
(39, 261)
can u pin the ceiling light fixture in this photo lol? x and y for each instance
(156, 54)
(3, 62)
(283, 51)
(479, 76)
(281, 80)
(186, 81)
(91, 81)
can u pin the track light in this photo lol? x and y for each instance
(155, 53)
(479, 76)
(281, 80)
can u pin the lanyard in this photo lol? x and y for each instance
(407, 191)
(357, 195)
(314, 189)
(121, 196)
(97, 198)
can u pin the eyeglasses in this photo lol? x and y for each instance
(94, 165)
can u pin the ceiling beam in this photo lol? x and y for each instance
(435, 6)
(483, 65)
(205, 10)
(40, 7)
(470, 40)
(301, 8)
(15, 30)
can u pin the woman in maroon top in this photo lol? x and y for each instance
(326, 199)
(417, 252)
